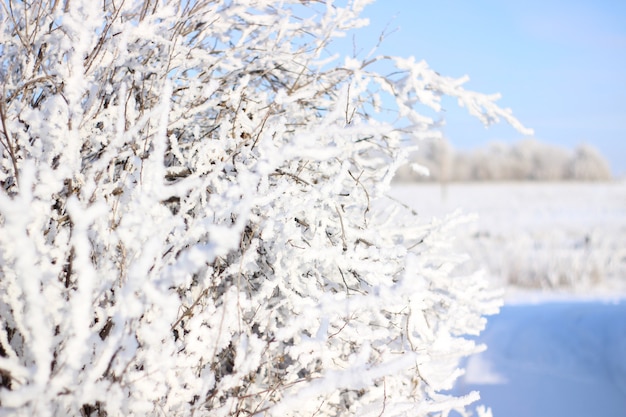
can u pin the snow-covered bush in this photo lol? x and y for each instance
(550, 259)
(194, 222)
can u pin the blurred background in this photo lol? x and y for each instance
(558, 64)
(550, 209)
(551, 206)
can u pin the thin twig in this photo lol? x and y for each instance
(8, 145)
(258, 135)
(189, 311)
(367, 195)
(26, 85)
(343, 230)
(295, 177)
(384, 398)
(283, 386)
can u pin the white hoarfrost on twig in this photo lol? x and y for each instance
(194, 221)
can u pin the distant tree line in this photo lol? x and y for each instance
(526, 160)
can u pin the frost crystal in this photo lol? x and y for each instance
(194, 217)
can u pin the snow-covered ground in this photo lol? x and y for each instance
(558, 346)
(568, 236)
(556, 359)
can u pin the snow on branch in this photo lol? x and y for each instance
(194, 217)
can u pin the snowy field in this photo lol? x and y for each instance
(553, 359)
(567, 236)
(558, 347)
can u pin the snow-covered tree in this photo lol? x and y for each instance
(194, 222)
(588, 165)
(526, 160)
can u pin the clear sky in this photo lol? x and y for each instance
(559, 64)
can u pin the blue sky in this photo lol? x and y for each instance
(560, 65)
